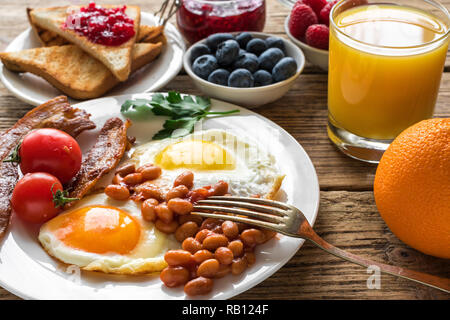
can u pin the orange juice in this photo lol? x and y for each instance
(385, 67)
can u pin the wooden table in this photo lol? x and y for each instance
(348, 216)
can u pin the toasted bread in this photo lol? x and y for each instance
(71, 70)
(116, 58)
(149, 34)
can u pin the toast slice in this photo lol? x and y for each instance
(149, 34)
(116, 58)
(73, 71)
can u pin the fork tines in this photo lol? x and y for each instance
(267, 213)
(163, 17)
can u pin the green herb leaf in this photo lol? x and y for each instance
(137, 109)
(184, 112)
(175, 128)
(161, 106)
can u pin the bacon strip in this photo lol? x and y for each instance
(56, 113)
(104, 156)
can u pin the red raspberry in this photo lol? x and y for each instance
(302, 16)
(317, 36)
(297, 3)
(316, 5)
(324, 15)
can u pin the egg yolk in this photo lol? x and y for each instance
(195, 154)
(97, 229)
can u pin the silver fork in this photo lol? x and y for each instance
(163, 15)
(289, 220)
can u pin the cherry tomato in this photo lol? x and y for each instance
(52, 151)
(32, 198)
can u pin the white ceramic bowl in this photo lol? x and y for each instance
(248, 97)
(317, 57)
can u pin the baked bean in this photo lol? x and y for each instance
(223, 271)
(251, 258)
(198, 286)
(149, 172)
(193, 271)
(180, 206)
(214, 241)
(186, 230)
(176, 258)
(202, 255)
(190, 217)
(148, 209)
(224, 255)
(242, 226)
(168, 228)
(164, 213)
(211, 223)
(238, 265)
(217, 229)
(150, 191)
(230, 230)
(185, 179)
(117, 192)
(208, 268)
(252, 237)
(202, 234)
(126, 169)
(132, 178)
(219, 189)
(191, 245)
(268, 234)
(249, 249)
(237, 247)
(174, 276)
(178, 192)
(117, 179)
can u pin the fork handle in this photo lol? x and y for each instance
(423, 278)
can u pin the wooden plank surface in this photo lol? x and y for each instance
(347, 217)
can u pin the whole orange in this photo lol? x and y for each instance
(412, 187)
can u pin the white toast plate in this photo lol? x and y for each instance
(29, 272)
(35, 90)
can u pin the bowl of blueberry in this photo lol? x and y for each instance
(246, 68)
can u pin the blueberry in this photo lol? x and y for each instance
(269, 58)
(204, 65)
(285, 68)
(242, 51)
(275, 42)
(215, 39)
(227, 52)
(247, 61)
(243, 38)
(256, 46)
(219, 76)
(262, 78)
(199, 50)
(240, 78)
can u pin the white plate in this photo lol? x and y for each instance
(35, 90)
(27, 271)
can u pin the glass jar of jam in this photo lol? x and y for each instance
(197, 19)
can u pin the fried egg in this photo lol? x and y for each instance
(213, 155)
(101, 234)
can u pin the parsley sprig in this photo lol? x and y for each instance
(184, 112)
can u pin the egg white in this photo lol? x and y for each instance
(255, 170)
(148, 255)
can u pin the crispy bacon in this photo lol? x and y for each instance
(104, 156)
(56, 113)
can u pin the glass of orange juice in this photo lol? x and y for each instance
(385, 65)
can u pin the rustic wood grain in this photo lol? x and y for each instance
(347, 218)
